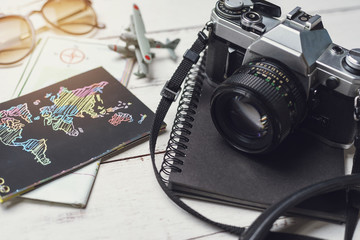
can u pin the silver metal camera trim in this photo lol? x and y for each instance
(353, 58)
(306, 51)
(236, 4)
(234, 33)
(249, 22)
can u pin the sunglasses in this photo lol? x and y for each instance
(18, 35)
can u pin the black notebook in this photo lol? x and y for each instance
(204, 166)
(59, 128)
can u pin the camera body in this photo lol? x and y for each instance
(273, 75)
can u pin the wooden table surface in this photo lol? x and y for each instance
(126, 201)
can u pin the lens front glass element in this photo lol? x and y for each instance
(16, 39)
(246, 119)
(242, 120)
(70, 16)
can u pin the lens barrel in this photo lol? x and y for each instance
(258, 106)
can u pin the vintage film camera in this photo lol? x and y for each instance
(272, 76)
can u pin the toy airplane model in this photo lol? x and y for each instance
(141, 44)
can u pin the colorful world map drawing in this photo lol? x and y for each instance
(67, 105)
(70, 104)
(12, 122)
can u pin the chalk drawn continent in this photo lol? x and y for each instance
(70, 104)
(12, 123)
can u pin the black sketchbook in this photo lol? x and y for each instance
(203, 166)
(62, 127)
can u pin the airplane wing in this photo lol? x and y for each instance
(126, 52)
(142, 66)
(138, 28)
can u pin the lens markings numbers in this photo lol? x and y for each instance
(273, 80)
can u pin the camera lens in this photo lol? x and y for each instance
(246, 118)
(258, 106)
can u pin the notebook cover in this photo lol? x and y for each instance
(214, 171)
(47, 66)
(60, 128)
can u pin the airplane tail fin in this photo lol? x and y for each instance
(171, 45)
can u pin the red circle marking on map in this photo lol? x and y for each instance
(72, 56)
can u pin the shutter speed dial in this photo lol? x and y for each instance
(232, 9)
(237, 4)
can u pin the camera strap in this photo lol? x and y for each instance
(260, 229)
(169, 94)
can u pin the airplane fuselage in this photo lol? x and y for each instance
(131, 40)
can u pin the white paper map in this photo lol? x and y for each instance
(58, 58)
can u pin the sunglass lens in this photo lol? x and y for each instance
(71, 16)
(16, 39)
